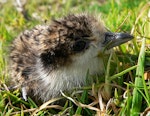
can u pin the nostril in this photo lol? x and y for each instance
(108, 37)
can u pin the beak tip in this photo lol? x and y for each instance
(131, 36)
(124, 36)
(116, 39)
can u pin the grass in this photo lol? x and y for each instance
(125, 86)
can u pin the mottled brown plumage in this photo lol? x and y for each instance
(56, 56)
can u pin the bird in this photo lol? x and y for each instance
(56, 56)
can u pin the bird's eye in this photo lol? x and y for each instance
(80, 45)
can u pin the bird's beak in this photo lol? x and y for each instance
(115, 39)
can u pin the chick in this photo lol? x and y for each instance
(57, 56)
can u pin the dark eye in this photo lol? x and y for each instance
(80, 45)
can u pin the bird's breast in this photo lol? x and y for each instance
(68, 77)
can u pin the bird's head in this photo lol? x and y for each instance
(77, 39)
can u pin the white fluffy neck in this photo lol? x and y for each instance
(66, 78)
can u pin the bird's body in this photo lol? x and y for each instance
(57, 56)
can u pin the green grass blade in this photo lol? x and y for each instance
(121, 73)
(32, 103)
(16, 99)
(107, 81)
(8, 113)
(83, 99)
(137, 97)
